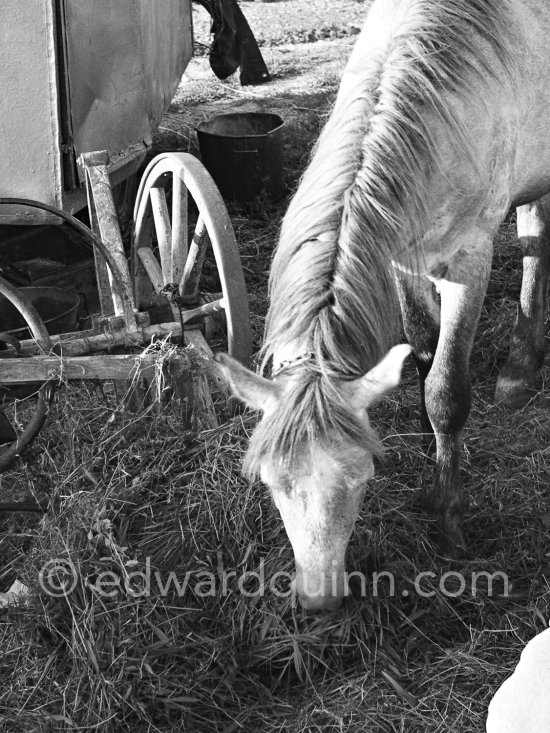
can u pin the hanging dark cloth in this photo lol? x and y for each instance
(234, 44)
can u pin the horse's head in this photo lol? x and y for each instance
(314, 448)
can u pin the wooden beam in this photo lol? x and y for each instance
(195, 393)
(89, 342)
(43, 368)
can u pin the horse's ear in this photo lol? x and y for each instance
(256, 391)
(382, 378)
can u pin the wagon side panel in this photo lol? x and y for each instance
(106, 77)
(29, 124)
(124, 63)
(167, 48)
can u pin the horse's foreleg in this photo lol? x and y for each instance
(447, 389)
(420, 312)
(517, 380)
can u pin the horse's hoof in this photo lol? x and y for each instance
(450, 539)
(453, 548)
(514, 392)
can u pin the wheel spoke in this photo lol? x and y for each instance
(191, 182)
(189, 285)
(152, 267)
(179, 227)
(163, 230)
(207, 309)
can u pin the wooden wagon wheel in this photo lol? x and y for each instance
(183, 234)
(8, 453)
(179, 217)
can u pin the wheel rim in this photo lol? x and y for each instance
(45, 394)
(174, 269)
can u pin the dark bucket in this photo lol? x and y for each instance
(56, 307)
(243, 152)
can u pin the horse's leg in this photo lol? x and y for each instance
(420, 313)
(447, 389)
(517, 380)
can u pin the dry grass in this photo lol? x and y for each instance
(140, 494)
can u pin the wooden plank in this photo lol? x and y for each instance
(102, 275)
(105, 223)
(42, 368)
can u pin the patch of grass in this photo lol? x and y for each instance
(140, 501)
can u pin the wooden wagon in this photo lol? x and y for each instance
(85, 86)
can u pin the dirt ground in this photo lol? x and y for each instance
(300, 76)
(294, 21)
(305, 47)
(154, 493)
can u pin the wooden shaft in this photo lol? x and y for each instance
(78, 344)
(44, 368)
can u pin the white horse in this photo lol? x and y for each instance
(440, 125)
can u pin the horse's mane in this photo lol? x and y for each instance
(362, 199)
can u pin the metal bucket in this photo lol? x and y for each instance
(243, 152)
(56, 307)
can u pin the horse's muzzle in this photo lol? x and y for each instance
(320, 603)
(319, 592)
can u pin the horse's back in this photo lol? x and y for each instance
(532, 158)
(505, 108)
